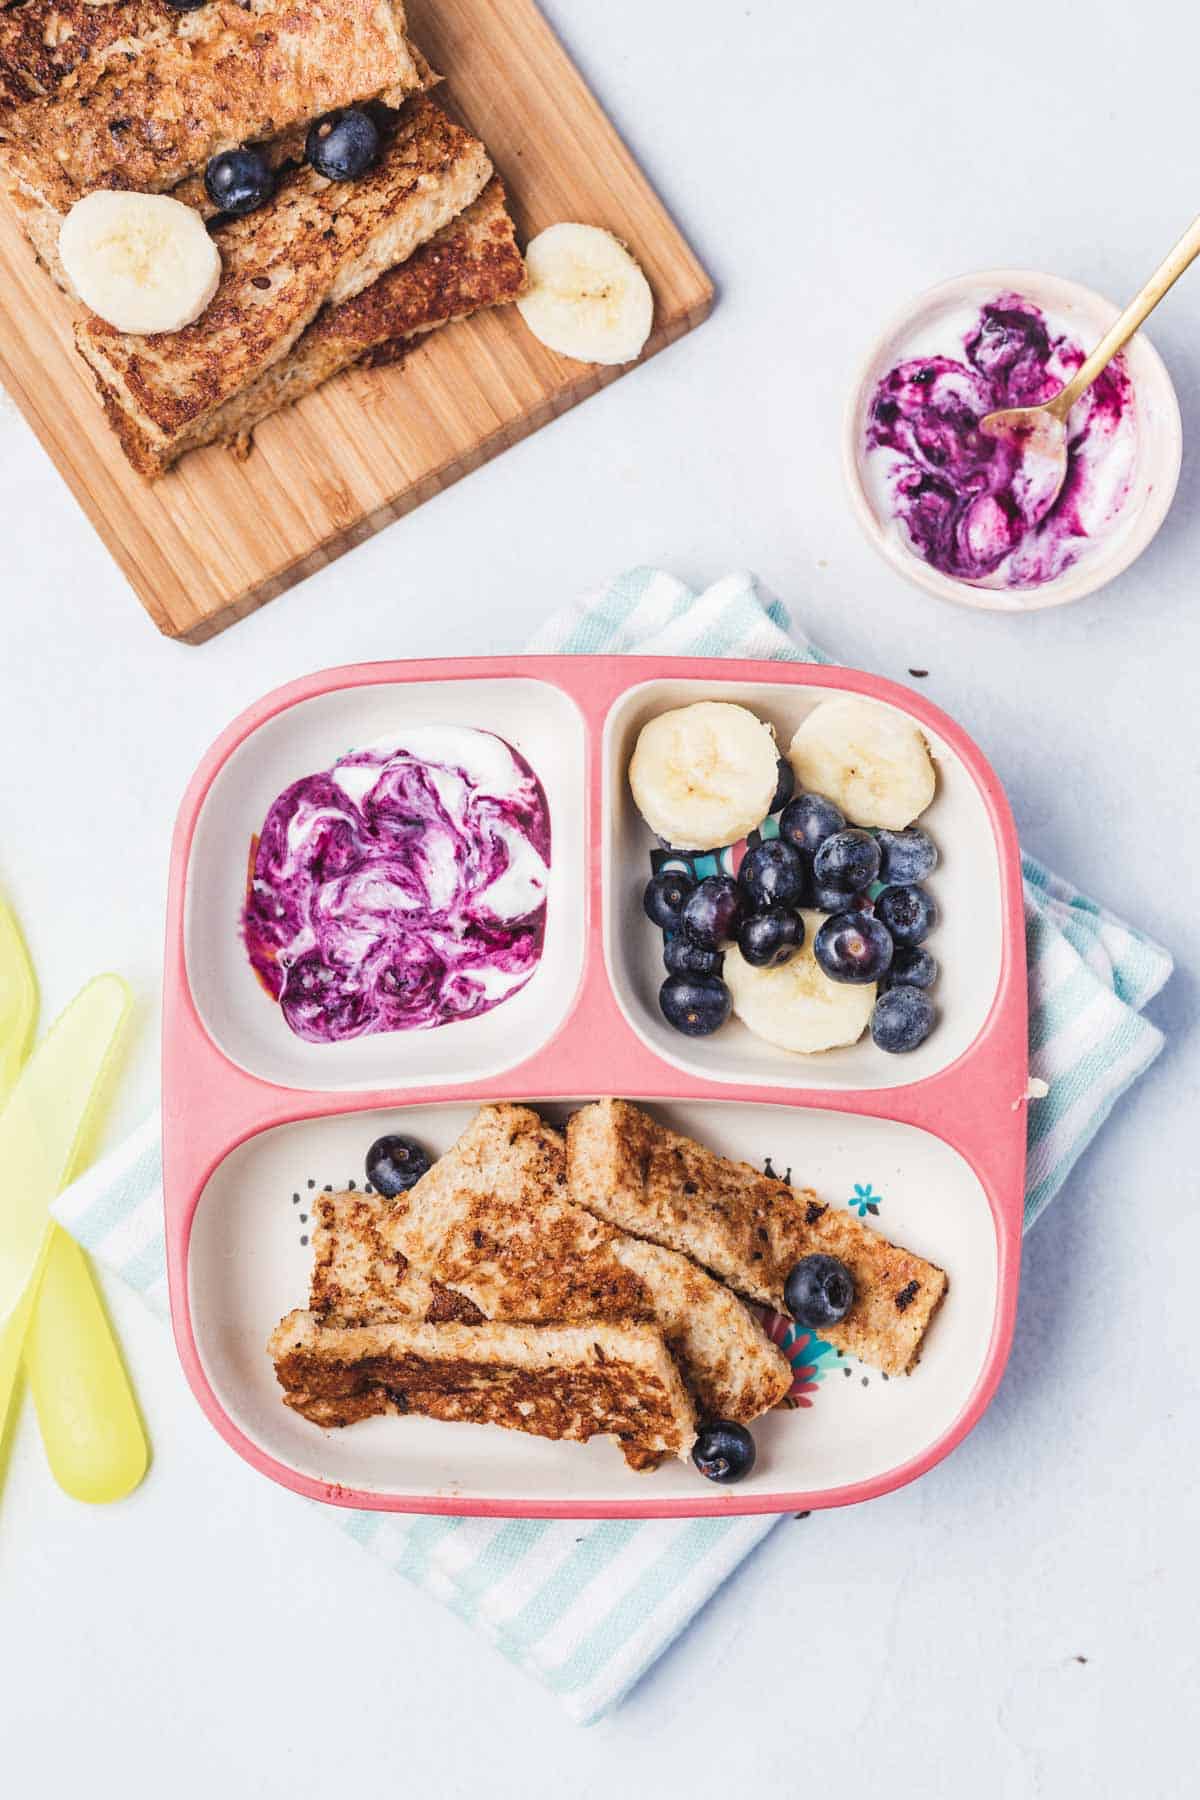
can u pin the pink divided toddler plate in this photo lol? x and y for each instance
(929, 1148)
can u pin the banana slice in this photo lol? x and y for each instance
(587, 298)
(704, 776)
(796, 1006)
(867, 759)
(144, 262)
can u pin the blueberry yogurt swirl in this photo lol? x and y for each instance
(402, 889)
(958, 495)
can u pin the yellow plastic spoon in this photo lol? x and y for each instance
(18, 1002)
(43, 1131)
(89, 1419)
(46, 1134)
(86, 1410)
(18, 1014)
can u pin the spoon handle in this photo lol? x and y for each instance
(1139, 308)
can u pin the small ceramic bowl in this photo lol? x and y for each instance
(1087, 316)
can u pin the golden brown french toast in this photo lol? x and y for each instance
(356, 1276)
(492, 1220)
(316, 243)
(553, 1381)
(48, 46)
(157, 105)
(472, 263)
(748, 1228)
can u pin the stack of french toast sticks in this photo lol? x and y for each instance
(142, 96)
(597, 1282)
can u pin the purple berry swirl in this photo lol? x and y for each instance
(403, 889)
(958, 495)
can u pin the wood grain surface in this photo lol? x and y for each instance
(217, 537)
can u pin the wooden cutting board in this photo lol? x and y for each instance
(216, 538)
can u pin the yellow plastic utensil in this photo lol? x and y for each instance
(86, 1410)
(44, 1128)
(18, 1002)
(46, 1133)
(89, 1419)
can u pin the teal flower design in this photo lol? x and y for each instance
(805, 1351)
(865, 1200)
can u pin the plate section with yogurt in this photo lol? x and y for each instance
(402, 889)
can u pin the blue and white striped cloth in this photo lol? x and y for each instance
(585, 1607)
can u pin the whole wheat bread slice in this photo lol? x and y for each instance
(750, 1229)
(149, 107)
(50, 48)
(357, 1278)
(492, 1220)
(554, 1381)
(316, 243)
(472, 263)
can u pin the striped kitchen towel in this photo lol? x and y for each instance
(587, 1607)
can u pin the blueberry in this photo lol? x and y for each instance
(808, 820)
(818, 1292)
(695, 1004)
(784, 787)
(664, 898)
(768, 939)
(902, 1019)
(854, 947)
(906, 856)
(832, 900)
(394, 1164)
(909, 913)
(239, 181)
(723, 1451)
(713, 911)
(848, 860)
(343, 146)
(682, 957)
(774, 874)
(912, 967)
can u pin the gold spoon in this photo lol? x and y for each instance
(1039, 433)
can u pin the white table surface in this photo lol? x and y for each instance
(1022, 1621)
